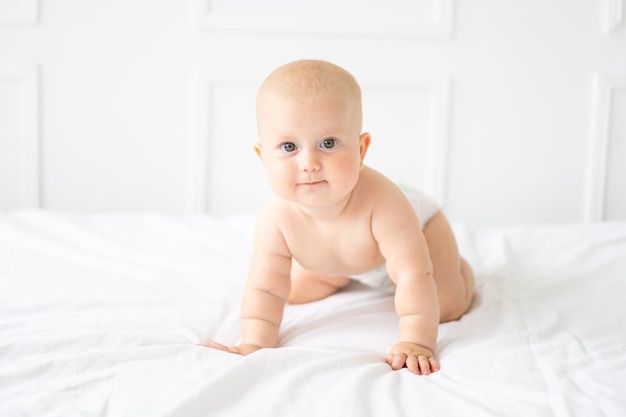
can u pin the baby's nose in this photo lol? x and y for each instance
(309, 162)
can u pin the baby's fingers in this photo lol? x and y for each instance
(418, 364)
(396, 360)
(422, 365)
(244, 349)
(434, 364)
(218, 346)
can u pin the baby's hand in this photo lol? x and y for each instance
(417, 358)
(243, 349)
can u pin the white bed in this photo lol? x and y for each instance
(102, 315)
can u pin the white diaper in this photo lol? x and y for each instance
(425, 208)
(376, 278)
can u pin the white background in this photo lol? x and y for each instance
(509, 112)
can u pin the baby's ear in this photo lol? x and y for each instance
(364, 144)
(257, 148)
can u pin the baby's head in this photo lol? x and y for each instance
(311, 80)
(309, 120)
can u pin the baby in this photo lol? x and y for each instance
(331, 219)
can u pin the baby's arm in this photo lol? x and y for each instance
(264, 300)
(266, 290)
(417, 306)
(401, 242)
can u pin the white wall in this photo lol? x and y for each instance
(509, 112)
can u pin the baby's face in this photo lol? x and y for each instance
(311, 147)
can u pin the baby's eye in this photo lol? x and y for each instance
(288, 147)
(329, 143)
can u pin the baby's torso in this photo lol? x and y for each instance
(341, 248)
(341, 245)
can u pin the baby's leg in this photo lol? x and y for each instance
(452, 274)
(307, 286)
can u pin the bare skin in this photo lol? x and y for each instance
(331, 217)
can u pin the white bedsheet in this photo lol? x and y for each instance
(101, 315)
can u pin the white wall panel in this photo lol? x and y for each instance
(224, 173)
(409, 124)
(418, 18)
(616, 161)
(614, 15)
(19, 137)
(605, 197)
(19, 11)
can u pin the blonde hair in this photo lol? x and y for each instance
(312, 78)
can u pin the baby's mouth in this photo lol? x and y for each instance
(312, 183)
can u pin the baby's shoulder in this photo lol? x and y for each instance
(379, 188)
(273, 207)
